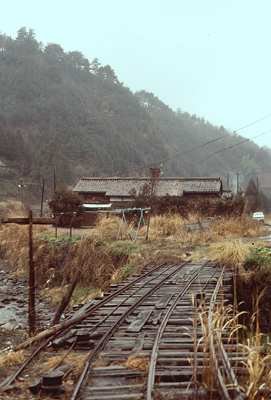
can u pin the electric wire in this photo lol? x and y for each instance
(235, 145)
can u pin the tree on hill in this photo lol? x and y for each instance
(58, 109)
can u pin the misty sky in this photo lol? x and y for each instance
(208, 57)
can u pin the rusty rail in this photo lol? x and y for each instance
(154, 354)
(152, 316)
(73, 320)
(93, 354)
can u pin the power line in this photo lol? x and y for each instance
(220, 138)
(192, 149)
(234, 145)
(252, 123)
(179, 153)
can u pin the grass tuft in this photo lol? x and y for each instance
(12, 358)
(137, 362)
(230, 253)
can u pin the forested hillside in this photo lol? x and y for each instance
(58, 109)
(196, 147)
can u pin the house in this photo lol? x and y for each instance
(121, 191)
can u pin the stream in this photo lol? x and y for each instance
(14, 305)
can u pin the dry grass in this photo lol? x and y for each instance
(230, 253)
(12, 358)
(102, 260)
(137, 362)
(74, 360)
(14, 237)
(58, 260)
(258, 381)
(53, 295)
(94, 260)
(112, 228)
(12, 208)
(223, 319)
(258, 369)
(14, 245)
(107, 228)
(174, 226)
(83, 295)
(170, 225)
(237, 227)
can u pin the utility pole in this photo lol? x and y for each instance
(54, 179)
(257, 198)
(31, 280)
(21, 192)
(42, 196)
(237, 182)
(228, 180)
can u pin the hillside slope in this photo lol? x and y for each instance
(57, 109)
(196, 147)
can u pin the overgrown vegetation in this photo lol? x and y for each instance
(65, 201)
(230, 253)
(252, 264)
(194, 230)
(254, 285)
(11, 208)
(100, 257)
(57, 260)
(186, 205)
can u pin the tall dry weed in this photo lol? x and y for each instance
(12, 208)
(230, 253)
(114, 228)
(258, 378)
(237, 227)
(94, 261)
(107, 227)
(177, 227)
(57, 261)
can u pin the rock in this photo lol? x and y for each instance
(9, 326)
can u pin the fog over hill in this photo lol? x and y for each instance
(59, 109)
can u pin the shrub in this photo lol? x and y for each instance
(258, 259)
(254, 286)
(65, 201)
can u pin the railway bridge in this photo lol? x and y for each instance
(157, 335)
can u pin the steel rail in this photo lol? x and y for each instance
(100, 345)
(154, 354)
(124, 301)
(10, 379)
(214, 342)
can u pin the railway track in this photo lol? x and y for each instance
(144, 340)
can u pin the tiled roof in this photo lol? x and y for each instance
(117, 186)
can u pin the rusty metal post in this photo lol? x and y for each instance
(31, 280)
(148, 225)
